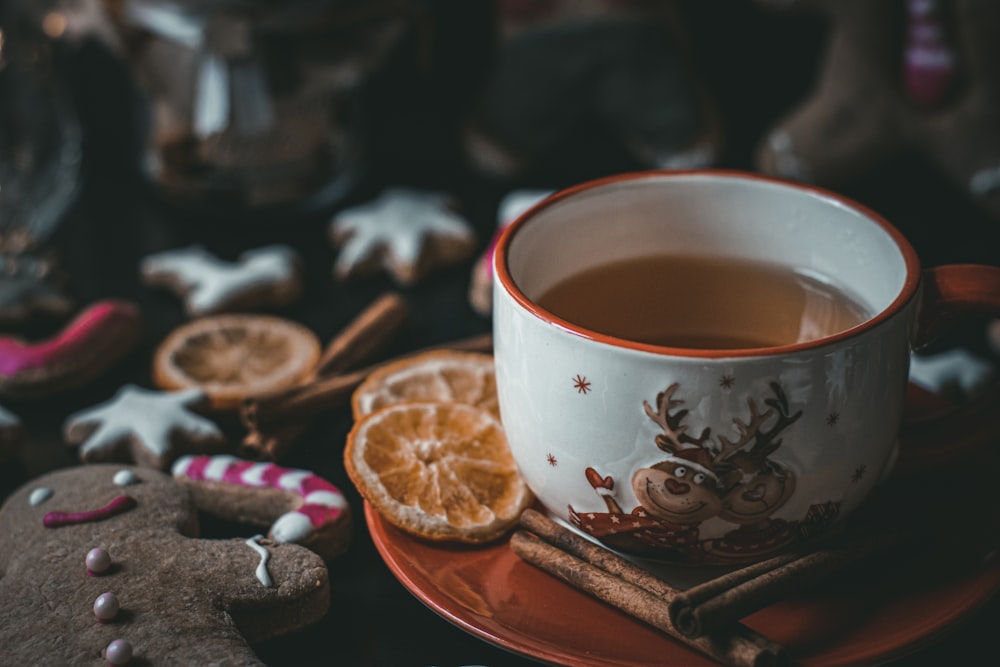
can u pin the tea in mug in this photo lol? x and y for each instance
(703, 303)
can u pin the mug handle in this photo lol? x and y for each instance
(935, 432)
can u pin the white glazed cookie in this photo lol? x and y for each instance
(262, 277)
(148, 427)
(405, 232)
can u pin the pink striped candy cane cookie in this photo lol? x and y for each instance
(95, 340)
(310, 510)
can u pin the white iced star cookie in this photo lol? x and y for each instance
(150, 428)
(263, 277)
(405, 232)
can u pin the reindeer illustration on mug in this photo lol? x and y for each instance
(734, 480)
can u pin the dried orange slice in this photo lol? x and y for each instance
(233, 357)
(438, 375)
(440, 471)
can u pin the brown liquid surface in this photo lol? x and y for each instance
(702, 303)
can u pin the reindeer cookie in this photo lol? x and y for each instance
(105, 565)
(263, 277)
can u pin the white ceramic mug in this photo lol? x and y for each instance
(604, 429)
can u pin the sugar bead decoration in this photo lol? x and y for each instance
(118, 652)
(98, 561)
(106, 606)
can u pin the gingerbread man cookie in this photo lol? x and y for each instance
(314, 512)
(95, 340)
(898, 76)
(147, 427)
(405, 232)
(260, 278)
(105, 565)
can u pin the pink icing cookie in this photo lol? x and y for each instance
(310, 510)
(263, 277)
(95, 340)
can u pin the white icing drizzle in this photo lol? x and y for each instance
(39, 495)
(262, 574)
(125, 478)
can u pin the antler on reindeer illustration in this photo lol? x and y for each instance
(674, 434)
(765, 442)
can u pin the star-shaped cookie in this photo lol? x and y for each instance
(403, 231)
(262, 277)
(151, 428)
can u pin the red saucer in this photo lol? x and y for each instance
(493, 594)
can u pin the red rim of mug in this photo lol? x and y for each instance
(906, 293)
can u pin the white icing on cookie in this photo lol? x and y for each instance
(8, 420)
(210, 284)
(262, 574)
(125, 478)
(291, 527)
(151, 418)
(39, 495)
(396, 225)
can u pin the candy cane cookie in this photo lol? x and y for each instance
(310, 510)
(95, 340)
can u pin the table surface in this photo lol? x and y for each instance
(373, 619)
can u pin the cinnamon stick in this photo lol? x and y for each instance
(360, 340)
(739, 647)
(328, 393)
(718, 602)
(365, 336)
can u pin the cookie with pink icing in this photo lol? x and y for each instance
(304, 508)
(103, 564)
(94, 341)
(144, 426)
(259, 278)
(407, 233)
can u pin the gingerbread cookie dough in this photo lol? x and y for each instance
(103, 564)
(260, 278)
